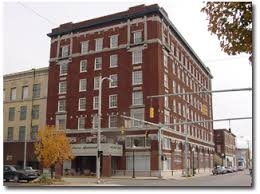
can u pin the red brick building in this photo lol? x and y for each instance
(144, 54)
(225, 146)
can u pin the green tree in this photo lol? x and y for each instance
(232, 23)
(52, 147)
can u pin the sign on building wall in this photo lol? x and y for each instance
(91, 149)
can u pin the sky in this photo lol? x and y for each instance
(26, 46)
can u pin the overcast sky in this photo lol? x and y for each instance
(27, 46)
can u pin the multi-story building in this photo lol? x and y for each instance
(243, 158)
(225, 146)
(144, 54)
(25, 102)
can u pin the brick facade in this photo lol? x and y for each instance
(167, 65)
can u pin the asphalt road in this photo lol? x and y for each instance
(236, 179)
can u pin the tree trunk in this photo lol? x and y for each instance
(52, 170)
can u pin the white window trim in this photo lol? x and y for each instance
(139, 32)
(62, 52)
(81, 47)
(134, 99)
(96, 88)
(79, 123)
(110, 83)
(60, 87)
(95, 68)
(96, 43)
(80, 83)
(134, 61)
(94, 102)
(110, 61)
(109, 121)
(82, 64)
(79, 108)
(110, 98)
(134, 82)
(61, 68)
(110, 42)
(59, 106)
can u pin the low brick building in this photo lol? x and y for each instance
(144, 54)
(225, 146)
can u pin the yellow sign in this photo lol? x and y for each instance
(151, 112)
(204, 110)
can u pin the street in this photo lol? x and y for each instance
(239, 179)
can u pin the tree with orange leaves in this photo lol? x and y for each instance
(52, 147)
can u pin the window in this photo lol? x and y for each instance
(174, 105)
(61, 123)
(61, 105)
(99, 44)
(22, 133)
(137, 77)
(10, 134)
(165, 61)
(173, 87)
(23, 111)
(166, 82)
(112, 121)
(166, 143)
(82, 85)
(98, 63)
(137, 98)
(167, 163)
(95, 122)
(11, 113)
(114, 41)
(113, 60)
(81, 123)
(166, 117)
(65, 51)
(13, 94)
(142, 163)
(113, 101)
(137, 56)
(63, 87)
(36, 90)
(83, 66)
(34, 132)
(173, 68)
(95, 102)
(113, 83)
(166, 101)
(63, 69)
(25, 92)
(96, 82)
(137, 114)
(137, 37)
(84, 47)
(82, 104)
(35, 111)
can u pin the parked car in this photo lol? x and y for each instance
(240, 168)
(230, 169)
(219, 170)
(11, 173)
(234, 169)
(30, 169)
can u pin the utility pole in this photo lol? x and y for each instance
(159, 152)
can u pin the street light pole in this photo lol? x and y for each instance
(133, 161)
(99, 126)
(193, 149)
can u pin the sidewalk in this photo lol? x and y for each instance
(92, 181)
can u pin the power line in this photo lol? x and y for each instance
(26, 7)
